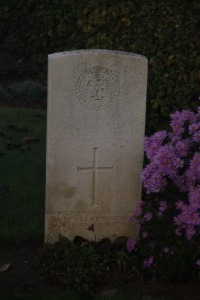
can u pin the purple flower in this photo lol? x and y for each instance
(163, 206)
(182, 147)
(166, 250)
(152, 179)
(178, 121)
(138, 211)
(147, 263)
(165, 161)
(174, 166)
(179, 204)
(147, 216)
(194, 198)
(177, 232)
(194, 168)
(190, 232)
(130, 245)
(153, 143)
(196, 136)
(180, 182)
(194, 127)
(198, 263)
(145, 234)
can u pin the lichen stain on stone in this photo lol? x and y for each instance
(69, 192)
(81, 205)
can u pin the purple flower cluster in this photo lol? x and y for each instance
(189, 217)
(131, 245)
(147, 263)
(168, 218)
(174, 158)
(163, 206)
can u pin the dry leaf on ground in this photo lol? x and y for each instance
(5, 267)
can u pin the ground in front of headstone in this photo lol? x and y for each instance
(17, 274)
(18, 277)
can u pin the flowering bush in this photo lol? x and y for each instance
(169, 216)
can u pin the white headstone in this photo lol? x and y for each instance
(96, 121)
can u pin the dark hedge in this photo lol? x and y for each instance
(166, 32)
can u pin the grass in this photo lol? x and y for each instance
(22, 177)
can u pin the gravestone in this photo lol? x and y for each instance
(96, 121)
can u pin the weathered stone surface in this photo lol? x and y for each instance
(96, 120)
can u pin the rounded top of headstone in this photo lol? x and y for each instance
(95, 51)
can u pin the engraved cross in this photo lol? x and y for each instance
(94, 169)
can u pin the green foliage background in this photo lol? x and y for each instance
(166, 32)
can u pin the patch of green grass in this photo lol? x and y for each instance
(22, 176)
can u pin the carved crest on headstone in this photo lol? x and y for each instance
(97, 88)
